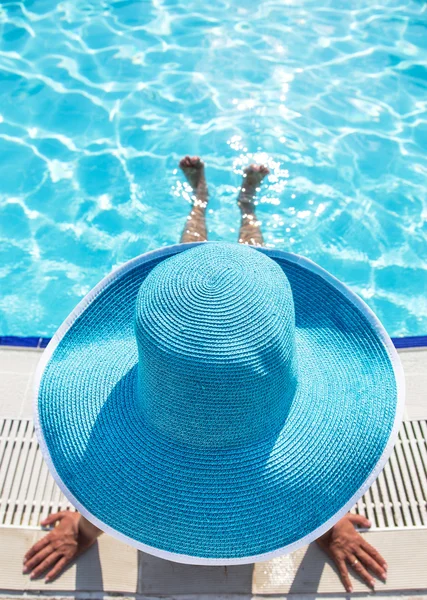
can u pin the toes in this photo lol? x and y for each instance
(262, 169)
(258, 171)
(184, 162)
(191, 162)
(196, 163)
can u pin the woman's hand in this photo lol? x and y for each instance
(72, 536)
(346, 547)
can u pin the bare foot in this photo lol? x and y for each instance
(252, 178)
(193, 169)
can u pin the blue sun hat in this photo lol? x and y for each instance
(217, 403)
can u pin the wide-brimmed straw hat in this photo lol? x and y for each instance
(216, 403)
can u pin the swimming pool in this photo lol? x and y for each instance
(100, 99)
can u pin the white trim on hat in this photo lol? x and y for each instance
(183, 558)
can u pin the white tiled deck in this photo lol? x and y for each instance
(111, 568)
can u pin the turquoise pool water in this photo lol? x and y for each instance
(100, 99)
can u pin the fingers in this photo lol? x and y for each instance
(374, 554)
(38, 558)
(60, 565)
(359, 520)
(37, 547)
(357, 566)
(43, 566)
(345, 578)
(51, 519)
(371, 564)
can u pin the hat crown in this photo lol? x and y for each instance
(215, 329)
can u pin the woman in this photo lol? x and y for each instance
(73, 533)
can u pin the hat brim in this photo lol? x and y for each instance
(236, 506)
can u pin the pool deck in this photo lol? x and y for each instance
(111, 568)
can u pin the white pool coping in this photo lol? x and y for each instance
(112, 568)
(18, 367)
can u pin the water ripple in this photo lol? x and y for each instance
(101, 98)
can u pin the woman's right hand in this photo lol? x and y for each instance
(72, 535)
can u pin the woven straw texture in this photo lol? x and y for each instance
(222, 402)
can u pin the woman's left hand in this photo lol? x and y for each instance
(347, 548)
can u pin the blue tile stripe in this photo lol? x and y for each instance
(415, 341)
(24, 342)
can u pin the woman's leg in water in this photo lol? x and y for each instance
(250, 231)
(195, 226)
